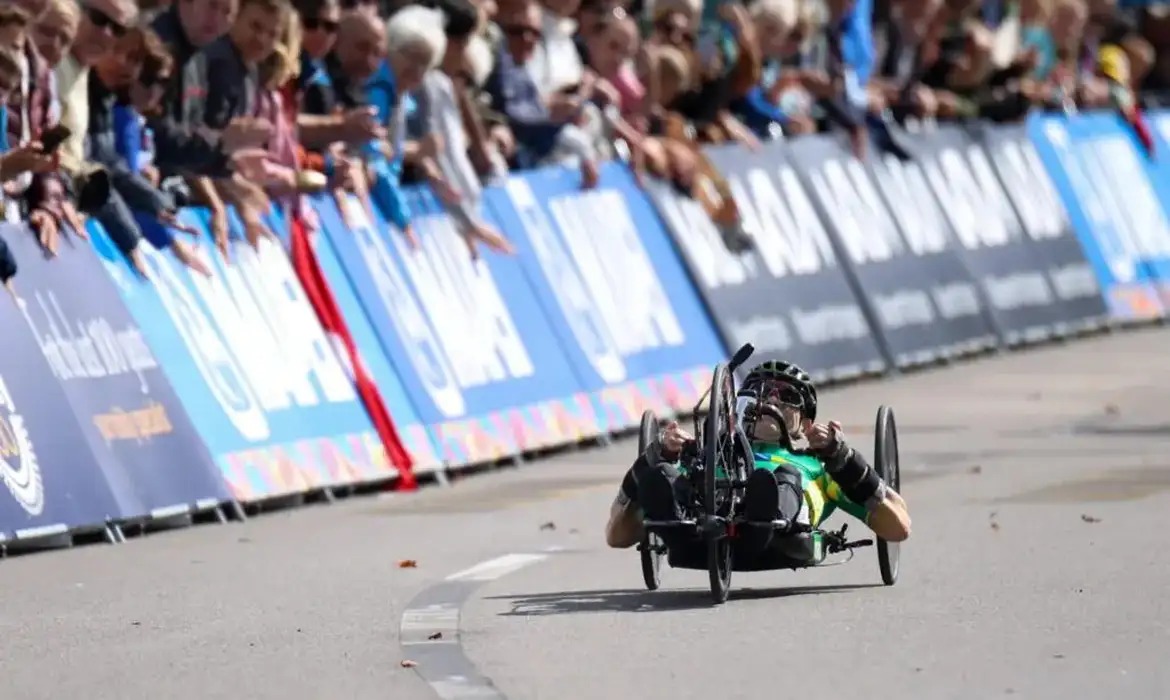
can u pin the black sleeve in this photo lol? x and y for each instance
(629, 487)
(224, 89)
(179, 147)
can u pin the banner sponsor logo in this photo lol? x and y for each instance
(600, 275)
(982, 218)
(924, 228)
(457, 331)
(18, 458)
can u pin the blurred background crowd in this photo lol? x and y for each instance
(126, 111)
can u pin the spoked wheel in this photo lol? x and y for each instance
(652, 547)
(885, 455)
(718, 496)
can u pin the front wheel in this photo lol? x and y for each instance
(719, 568)
(885, 458)
(652, 549)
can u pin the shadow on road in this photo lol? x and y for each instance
(640, 601)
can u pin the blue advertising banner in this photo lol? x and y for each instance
(479, 360)
(154, 459)
(608, 278)
(417, 438)
(991, 239)
(921, 298)
(1042, 216)
(52, 480)
(1121, 256)
(788, 295)
(246, 355)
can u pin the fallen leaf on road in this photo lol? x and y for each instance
(995, 526)
(1058, 656)
(407, 663)
(1090, 519)
(408, 564)
(549, 526)
(574, 531)
(977, 469)
(1112, 409)
(136, 623)
(436, 635)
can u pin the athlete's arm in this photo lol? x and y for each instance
(883, 508)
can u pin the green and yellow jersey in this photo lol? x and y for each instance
(822, 495)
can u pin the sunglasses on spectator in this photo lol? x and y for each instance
(315, 23)
(101, 20)
(521, 31)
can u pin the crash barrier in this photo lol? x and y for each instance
(124, 400)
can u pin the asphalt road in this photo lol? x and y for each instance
(1036, 568)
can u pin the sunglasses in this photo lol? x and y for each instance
(315, 23)
(101, 20)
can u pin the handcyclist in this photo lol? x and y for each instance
(800, 485)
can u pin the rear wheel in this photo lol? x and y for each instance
(651, 547)
(718, 452)
(885, 457)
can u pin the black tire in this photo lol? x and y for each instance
(885, 459)
(648, 432)
(651, 547)
(717, 437)
(652, 552)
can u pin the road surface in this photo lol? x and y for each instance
(1037, 567)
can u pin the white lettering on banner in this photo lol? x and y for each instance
(710, 261)
(905, 307)
(1119, 251)
(18, 459)
(616, 268)
(1075, 281)
(1135, 196)
(956, 300)
(991, 192)
(226, 381)
(863, 224)
(594, 337)
(1018, 290)
(913, 206)
(963, 202)
(830, 323)
(767, 333)
(87, 348)
(431, 365)
(295, 328)
(1031, 190)
(788, 234)
(470, 319)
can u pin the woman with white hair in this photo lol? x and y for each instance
(437, 128)
(415, 43)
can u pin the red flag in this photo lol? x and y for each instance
(304, 261)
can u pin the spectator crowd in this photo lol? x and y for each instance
(125, 112)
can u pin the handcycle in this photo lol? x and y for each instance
(717, 466)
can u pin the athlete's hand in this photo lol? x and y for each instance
(823, 436)
(674, 438)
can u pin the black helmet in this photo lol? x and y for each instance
(789, 374)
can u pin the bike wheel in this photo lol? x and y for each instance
(717, 446)
(885, 455)
(652, 551)
(651, 548)
(648, 432)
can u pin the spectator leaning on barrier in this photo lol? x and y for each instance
(438, 127)
(543, 135)
(135, 202)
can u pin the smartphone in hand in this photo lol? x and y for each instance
(53, 137)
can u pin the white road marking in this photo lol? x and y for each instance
(493, 569)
